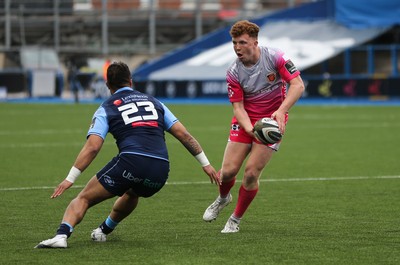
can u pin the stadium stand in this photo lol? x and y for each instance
(155, 37)
(80, 31)
(332, 42)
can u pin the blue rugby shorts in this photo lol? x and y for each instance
(144, 175)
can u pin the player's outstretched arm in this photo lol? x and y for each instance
(192, 145)
(86, 156)
(63, 186)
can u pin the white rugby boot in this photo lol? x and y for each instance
(231, 226)
(98, 235)
(216, 207)
(59, 241)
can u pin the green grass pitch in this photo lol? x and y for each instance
(331, 195)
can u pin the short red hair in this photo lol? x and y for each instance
(244, 27)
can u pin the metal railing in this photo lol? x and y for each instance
(125, 26)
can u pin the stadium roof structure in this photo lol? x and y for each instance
(308, 35)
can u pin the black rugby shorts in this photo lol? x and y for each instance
(144, 175)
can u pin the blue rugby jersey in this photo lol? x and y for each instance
(137, 121)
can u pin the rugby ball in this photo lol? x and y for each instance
(266, 130)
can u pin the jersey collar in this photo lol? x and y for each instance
(123, 89)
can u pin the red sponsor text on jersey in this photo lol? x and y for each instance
(145, 123)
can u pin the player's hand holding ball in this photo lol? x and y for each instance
(266, 130)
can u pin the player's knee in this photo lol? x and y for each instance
(228, 174)
(251, 176)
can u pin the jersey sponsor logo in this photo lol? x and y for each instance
(150, 184)
(271, 77)
(290, 67)
(235, 127)
(145, 123)
(263, 90)
(134, 97)
(117, 102)
(129, 176)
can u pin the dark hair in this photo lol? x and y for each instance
(244, 27)
(118, 75)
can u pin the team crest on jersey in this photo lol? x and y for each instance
(117, 102)
(271, 77)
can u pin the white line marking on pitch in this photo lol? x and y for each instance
(207, 182)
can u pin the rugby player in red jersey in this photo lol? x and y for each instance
(256, 82)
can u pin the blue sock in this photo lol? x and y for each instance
(108, 225)
(65, 229)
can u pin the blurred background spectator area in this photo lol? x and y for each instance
(147, 27)
(83, 34)
(80, 36)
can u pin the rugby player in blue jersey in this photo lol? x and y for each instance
(138, 122)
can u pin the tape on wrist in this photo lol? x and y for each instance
(73, 174)
(202, 159)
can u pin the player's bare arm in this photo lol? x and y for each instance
(86, 156)
(296, 89)
(242, 117)
(89, 152)
(179, 132)
(192, 145)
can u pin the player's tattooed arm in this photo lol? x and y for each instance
(181, 133)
